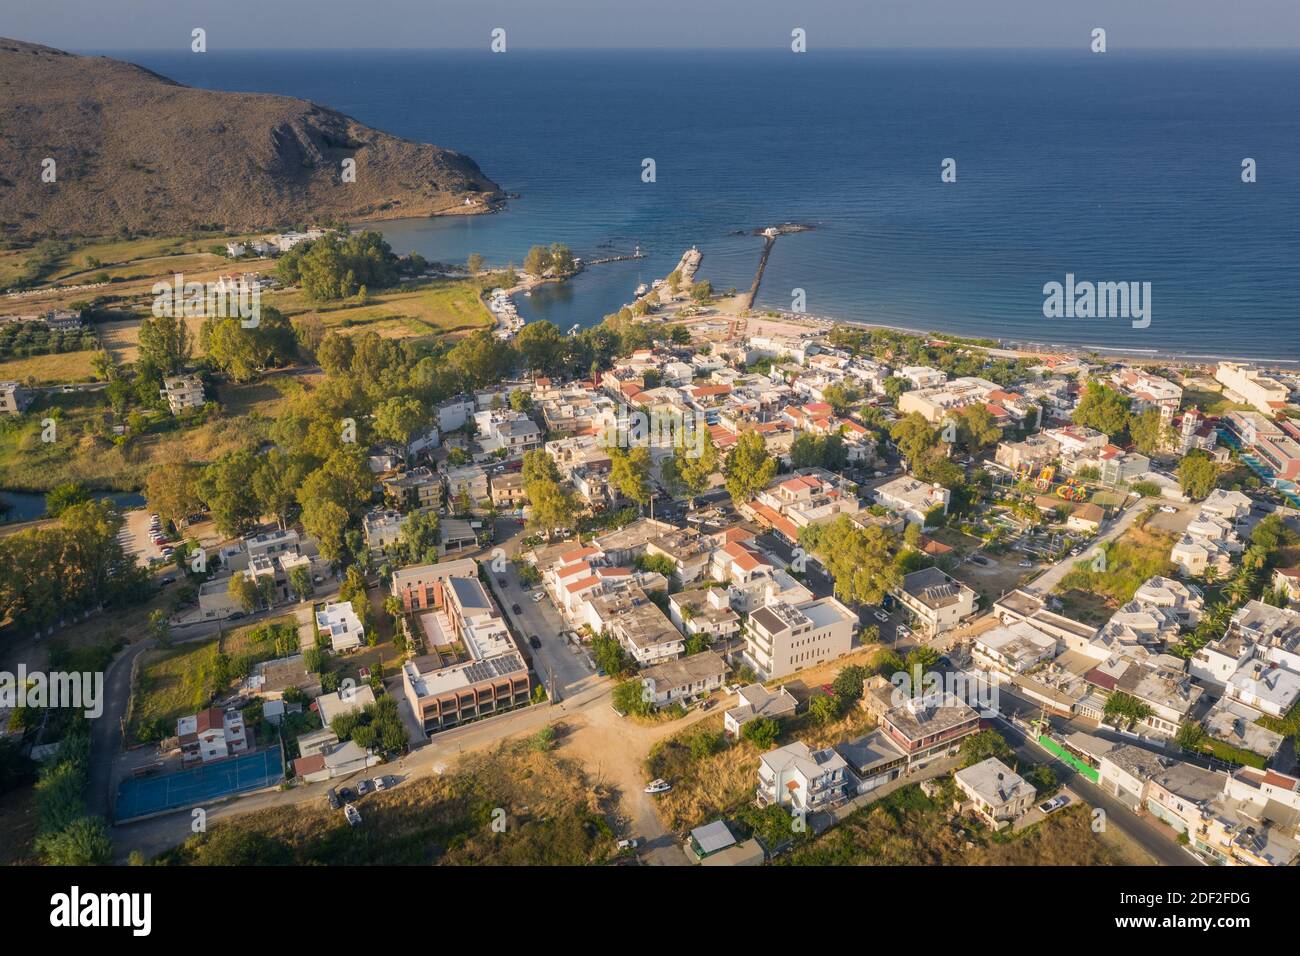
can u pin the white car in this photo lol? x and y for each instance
(1054, 804)
(629, 844)
(538, 596)
(658, 786)
(881, 616)
(1169, 509)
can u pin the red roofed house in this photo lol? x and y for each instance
(212, 734)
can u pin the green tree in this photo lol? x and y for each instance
(1102, 408)
(1148, 431)
(859, 560)
(914, 436)
(762, 732)
(824, 709)
(1198, 474)
(63, 496)
(164, 344)
(629, 697)
(83, 842)
(227, 487)
(983, 745)
(243, 592)
(749, 467)
(630, 472)
(397, 418)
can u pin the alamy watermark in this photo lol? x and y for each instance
(1098, 300)
(82, 691)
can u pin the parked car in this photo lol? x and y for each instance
(516, 609)
(705, 705)
(333, 797)
(631, 843)
(167, 580)
(534, 642)
(501, 582)
(1026, 564)
(364, 787)
(380, 783)
(1169, 509)
(1055, 803)
(346, 793)
(658, 785)
(979, 559)
(881, 616)
(538, 596)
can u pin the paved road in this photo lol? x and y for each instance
(1154, 837)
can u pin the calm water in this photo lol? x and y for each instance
(1116, 167)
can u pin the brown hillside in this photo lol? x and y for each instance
(138, 151)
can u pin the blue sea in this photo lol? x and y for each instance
(1118, 167)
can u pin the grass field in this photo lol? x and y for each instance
(1211, 403)
(434, 308)
(1137, 555)
(55, 369)
(174, 683)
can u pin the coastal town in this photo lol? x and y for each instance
(699, 584)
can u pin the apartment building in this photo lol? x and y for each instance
(935, 403)
(782, 638)
(927, 727)
(936, 601)
(802, 779)
(339, 622)
(491, 676)
(211, 734)
(1245, 383)
(643, 630)
(419, 586)
(1149, 391)
(182, 392)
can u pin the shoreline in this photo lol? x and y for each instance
(1026, 347)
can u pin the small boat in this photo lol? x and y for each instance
(353, 815)
(658, 786)
(642, 289)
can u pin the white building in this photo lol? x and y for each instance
(782, 638)
(998, 793)
(1244, 383)
(937, 601)
(182, 392)
(802, 779)
(339, 622)
(912, 498)
(684, 679)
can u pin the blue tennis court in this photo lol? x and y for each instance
(138, 797)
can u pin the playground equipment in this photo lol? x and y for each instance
(1071, 490)
(1045, 477)
(1023, 472)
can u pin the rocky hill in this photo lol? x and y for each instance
(138, 151)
